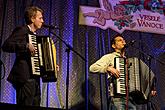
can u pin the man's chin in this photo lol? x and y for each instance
(39, 27)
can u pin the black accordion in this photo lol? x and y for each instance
(43, 63)
(139, 80)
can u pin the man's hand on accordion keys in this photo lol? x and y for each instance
(31, 49)
(113, 71)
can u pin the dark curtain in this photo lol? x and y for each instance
(89, 42)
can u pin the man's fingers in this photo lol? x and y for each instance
(116, 74)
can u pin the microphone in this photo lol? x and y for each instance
(50, 26)
(130, 43)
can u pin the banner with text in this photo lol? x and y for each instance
(120, 15)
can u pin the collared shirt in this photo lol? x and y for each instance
(31, 29)
(105, 61)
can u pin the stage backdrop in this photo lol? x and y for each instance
(90, 42)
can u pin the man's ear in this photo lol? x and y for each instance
(113, 46)
(32, 19)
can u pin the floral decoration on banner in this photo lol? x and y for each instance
(125, 14)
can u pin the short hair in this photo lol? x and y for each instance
(31, 12)
(113, 39)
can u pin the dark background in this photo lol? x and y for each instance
(90, 42)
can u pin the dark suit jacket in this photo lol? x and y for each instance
(17, 43)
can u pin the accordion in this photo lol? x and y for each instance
(43, 63)
(139, 79)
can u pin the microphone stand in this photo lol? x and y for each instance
(4, 70)
(69, 48)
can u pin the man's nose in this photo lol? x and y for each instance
(124, 42)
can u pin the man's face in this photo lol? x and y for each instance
(119, 43)
(37, 20)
